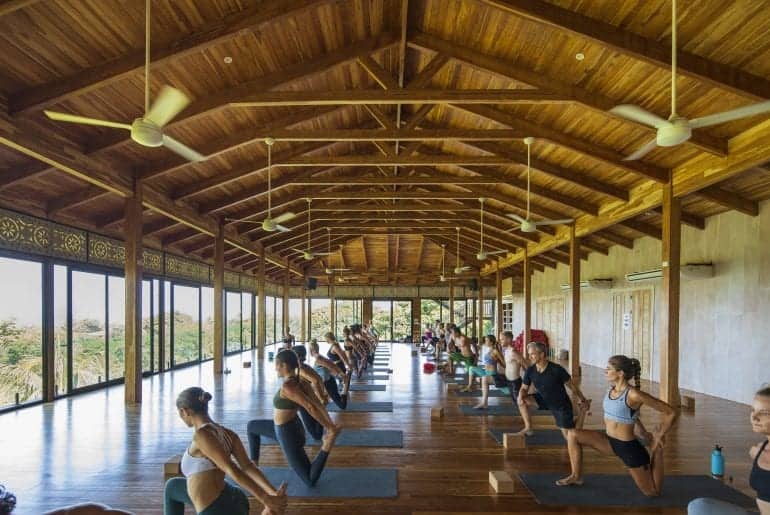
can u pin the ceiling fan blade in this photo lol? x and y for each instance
(169, 103)
(643, 150)
(316, 254)
(281, 228)
(639, 115)
(182, 149)
(297, 251)
(496, 252)
(73, 118)
(243, 221)
(733, 114)
(555, 222)
(285, 217)
(515, 217)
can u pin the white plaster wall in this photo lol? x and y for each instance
(724, 320)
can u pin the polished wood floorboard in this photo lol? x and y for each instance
(91, 447)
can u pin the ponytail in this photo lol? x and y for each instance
(631, 368)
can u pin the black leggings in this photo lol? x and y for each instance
(334, 393)
(291, 438)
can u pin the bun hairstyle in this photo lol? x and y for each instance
(195, 398)
(288, 358)
(631, 368)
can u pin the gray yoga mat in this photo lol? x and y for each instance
(497, 410)
(368, 387)
(477, 393)
(620, 490)
(334, 482)
(357, 438)
(542, 437)
(374, 377)
(379, 369)
(381, 407)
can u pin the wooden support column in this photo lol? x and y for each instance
(303, 334)
(261, 305)
(416, 320)
(285, 303)
(366, 310)
(527, 299)
(480, 311)
(670, 260)
(332, 307)
(219, 299)
(574, 283)
(451, 303)
(49, 334)
(133, 296)
(499, 302)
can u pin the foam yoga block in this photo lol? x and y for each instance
(339, 482)
(437, 413)
(501, 481)
(171, 467)
(620, 490)
(357, 438)
(381, 407)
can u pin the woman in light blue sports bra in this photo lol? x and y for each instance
(206, 462)
(491, 357)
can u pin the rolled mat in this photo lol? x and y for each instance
(541, 437)
(357, 438)
(363, 406)
(497, 410)
(334, 482)
(620, 490)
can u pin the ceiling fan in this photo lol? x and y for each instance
(148, 129)
(306, 254)
(678, 129)
(459, 269)
(330, 270)
(443, 277)
(269, 224)
(481, 256)
(525, 224)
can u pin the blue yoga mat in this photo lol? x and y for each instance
(374, 377)
(381, 407)
(334, 482)
(620, 490)
(368, 387)
(357, 438)
(477, 393)
(497, 410)
(542, 437)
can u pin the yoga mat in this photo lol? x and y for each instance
(620, 490)
(477, 393)
(497, 410)
(379, 369)
(357, 438)
(334, 482)
(542, 437)
(368, 387)
(381, 407)
(374, 377)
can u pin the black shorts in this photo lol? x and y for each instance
(515, 386)
(564, 416)
(632, 452)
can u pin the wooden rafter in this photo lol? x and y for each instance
(389, 134)
(730, 200)
(642, 228)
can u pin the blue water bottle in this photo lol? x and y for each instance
(717, 463)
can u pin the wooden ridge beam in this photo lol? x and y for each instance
(433, 206)
(395, 97)
(729, 200)
(376, 160)
(389, 134)
(747, 150)
(210, 34)
(657, 53)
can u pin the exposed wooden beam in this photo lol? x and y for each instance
(418, 117)
(395, 97)
(593, 246)
(376, 160)
(87, 194)
(616, 238)
(389, 134)
(657, 53)
(420, 253)
(730, 200)
(210, 34)
(381, 117)
(9, 6)
(642, 228)
(430, 70)
(378, 73)
(433, 206)
(687, 218)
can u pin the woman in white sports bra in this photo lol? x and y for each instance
(205, 463)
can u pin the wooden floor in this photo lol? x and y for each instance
(90, 447)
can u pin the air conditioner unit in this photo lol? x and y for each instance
(596, 284)
(656, 273)
(688, 271)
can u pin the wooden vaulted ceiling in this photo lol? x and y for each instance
(393, 116)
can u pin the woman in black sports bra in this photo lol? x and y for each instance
(759, 478)
(337, 355)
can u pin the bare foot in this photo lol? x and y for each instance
(348, 377)
(480, 406)
(467, 389)
(329, 437)
(525, 432)
(570, 481)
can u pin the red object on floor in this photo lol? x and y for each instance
(537, 335)
(428, 368)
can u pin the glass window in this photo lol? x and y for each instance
(279, 327)
(460, 313)
(430, 311)
(186, 324)
(402, 320)
(88, 329)
(381, 319)
(116, 338)
(61, 359)
(21, 332)
(489, 316)
(233, 333)
(347, 313)
(269, 320)
(166, 325)
(147, 336)
(248, 343)
(207, 318)
(320, 318)
(295, 317)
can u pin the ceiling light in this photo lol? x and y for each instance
(228, 59)
(580, 56)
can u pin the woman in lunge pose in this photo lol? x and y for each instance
(337, 355)
(206, 462)
(621, 410)
(286, 426)
(491, 357)
(328, 370)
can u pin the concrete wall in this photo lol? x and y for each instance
(724, 321)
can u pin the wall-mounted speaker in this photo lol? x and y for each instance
(473, 285)
(312, 283)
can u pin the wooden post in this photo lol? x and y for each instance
(480, 333)
(574, 282)
(219, 299)
(285, 302)
(416, 320)
(49, 334)
(304, 333)
(133, 299)
(527, 300)
(261, 303)
(366, 310)
(332, 307)
(670, 258)
(451, 303)
(499, 301)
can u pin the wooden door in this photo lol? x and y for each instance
(632, 327)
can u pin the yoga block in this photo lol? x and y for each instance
(543, 421)
(501, 481)
(514, 441)
(171, 467)
(437, 413)
(414, 352)
(688, 403)
(450, 387)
